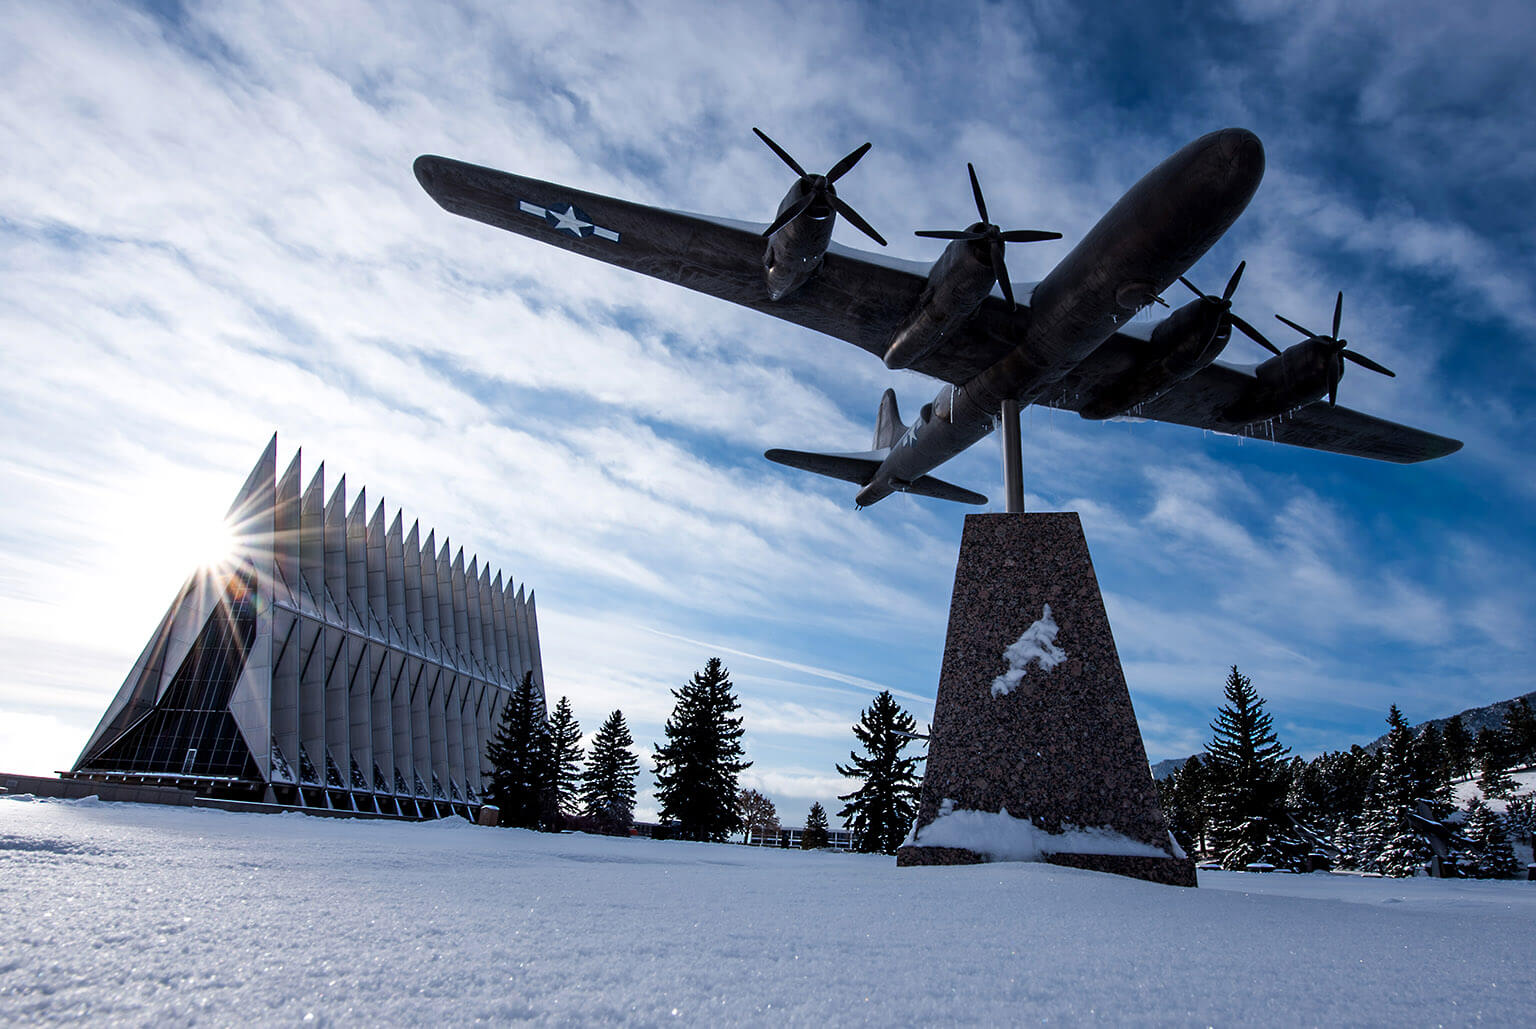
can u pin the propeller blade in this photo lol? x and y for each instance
(1160, 302)
(783, 155)
(1192, 287)
(1338, 313)
(1001, 271)
(1299, 328)
(1254, 334)
(1366, 362)
(1333, 390)
(841, 167)
(854, 219)
(981, 205)
(949, 234)
(789, 213)
(1226, 294)
(1028, 236)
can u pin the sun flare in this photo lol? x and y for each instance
(211, 545)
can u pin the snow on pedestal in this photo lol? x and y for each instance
(1001, 837)
(1035, 753)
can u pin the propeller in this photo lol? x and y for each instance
(1337, 349)
(1225, 300)
(819, 187)
(994, 236)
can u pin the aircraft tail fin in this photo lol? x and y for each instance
(888, 426)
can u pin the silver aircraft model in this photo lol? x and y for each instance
(1067, 341)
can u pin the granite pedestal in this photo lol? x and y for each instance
(1033, 716)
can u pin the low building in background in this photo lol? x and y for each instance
(330, 663)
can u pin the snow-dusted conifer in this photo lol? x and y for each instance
(565, 756)
(1185, 800)
(1458, 748)
(519, 754)
(1520, 817)
(1431, 771)
(1490, 855)
(1491, 751)
(1247, 777)
(816, 834)
(608, 784)
(881, 810)
(1520, 732)
(1389, 843)
(696, 768)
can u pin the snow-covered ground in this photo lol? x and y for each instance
(1466, 789)
(140, 914)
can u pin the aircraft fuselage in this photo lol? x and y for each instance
(1152, 235)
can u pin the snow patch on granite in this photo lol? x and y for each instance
(1036, 646)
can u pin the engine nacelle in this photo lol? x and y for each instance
(958, 282)
(1182, 344)
(795, 252)
(1300, 375)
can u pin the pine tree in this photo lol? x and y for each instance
(1247, 777)
(816, 835)
(519, 753)
(608, 785)
(1389, 843)
(1520, 817)
(1185, 803)
(1520, 732)
(1492, 754)
(1432, 771)
(881, 810)
(758, 815)
(1458, 748)
(696, 768)
(565, 756)
(1490, 855)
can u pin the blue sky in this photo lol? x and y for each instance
(209, 231)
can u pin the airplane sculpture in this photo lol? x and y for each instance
(1066, 342)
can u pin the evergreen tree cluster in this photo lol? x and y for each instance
(536, 775)
(1244, 801)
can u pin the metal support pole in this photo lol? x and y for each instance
(1013, 460)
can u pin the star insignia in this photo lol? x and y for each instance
(572, 220)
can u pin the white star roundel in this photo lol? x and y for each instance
(568, 218)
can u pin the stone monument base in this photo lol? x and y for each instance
(1168, 871)
(1035, 751)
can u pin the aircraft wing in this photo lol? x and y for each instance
(1199, 400)
(858, 297)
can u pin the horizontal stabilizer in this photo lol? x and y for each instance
(855, 468)
(928, 486)
(860, 468)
